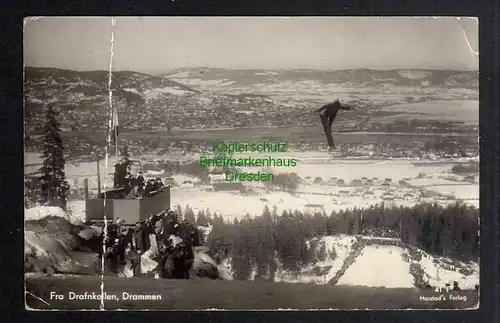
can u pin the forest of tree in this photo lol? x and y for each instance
(257, 242)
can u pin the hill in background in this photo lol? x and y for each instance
(217, 98)
(357, 78)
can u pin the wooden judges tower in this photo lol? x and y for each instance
(113, 205)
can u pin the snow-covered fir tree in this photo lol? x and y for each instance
(54, 187)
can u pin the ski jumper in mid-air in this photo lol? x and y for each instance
(328, 113)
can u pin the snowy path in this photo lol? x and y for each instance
(379, 266)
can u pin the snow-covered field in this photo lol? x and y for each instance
(433, 181)
(203, 84)
(228, 204)
(356, 169)
(459, 110)
(315, 89)
(379, 266)
(421, 174)
(462, 191)
(239, 204)
(323, 194)
(153, 94)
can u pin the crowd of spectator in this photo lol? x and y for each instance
(163, 238)
(134, 186)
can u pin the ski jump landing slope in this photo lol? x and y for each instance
(379, 266)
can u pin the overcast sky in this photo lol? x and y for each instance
(156, 45)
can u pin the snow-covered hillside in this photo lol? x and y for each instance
(324, 83)
(145, 102)
(398, 78)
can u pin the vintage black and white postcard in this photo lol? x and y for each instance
(200, 163)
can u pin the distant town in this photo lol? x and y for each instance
(85, 148)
